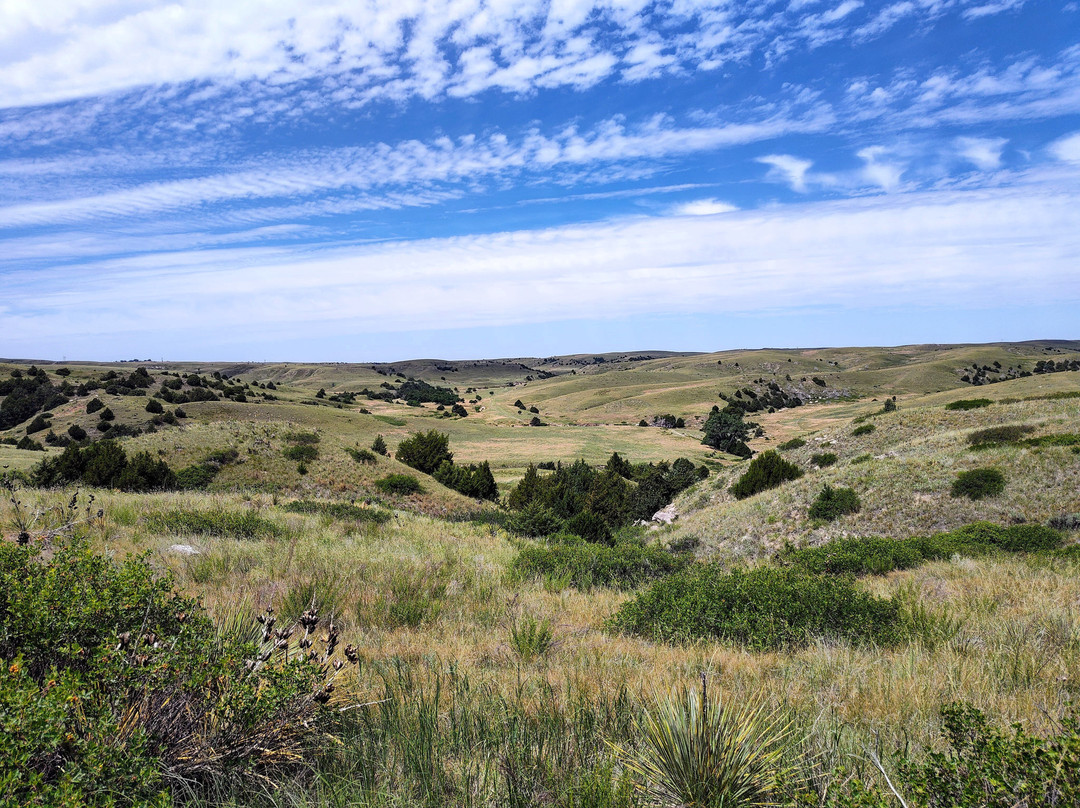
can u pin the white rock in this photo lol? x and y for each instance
(183, 549)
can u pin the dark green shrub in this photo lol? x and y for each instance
(864, 556)
(39, 424)
(474, 480)
(26, 443)
(968, 404)
(196, 476)
(1030, 539)
(890, 405)
(762, 608)
(104, 464)
(342, 511)
(363, 456)
(153, 406)
(863, 458)
(425, 451)
(303, 438)
(534, 520)
(76, 432)
(788, 445)
(301, 453)
(399, 484)
(997, 435)
(535, 421)
(978, 483)
(378, 446)
(726, 431)
(832, 503)
(458, 410)
(643, 422)
(824, 459)
(583, 565)
(179, 413)
(93, 405)
(865, 429)
(590, 527)
(1061, 439)
(767, 470)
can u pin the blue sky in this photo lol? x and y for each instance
(359, 181)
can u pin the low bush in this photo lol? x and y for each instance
(105, 464)
(767, 470)
(968, 404)
(762, 608)
(39, 424)
(378, 446)
(363, 456)
(863, 458)
(832, 503)
(425, 451)
(342, 511)
(534, 520)
(1060, 439)
(93, 405)
(531, 638)
(570, 561)
(788, 445)
(153, 406)
(303, 438)
(865, 429)
(399, 484)
(998, 435)
(230, 524)
(978, 484)
(824, 459)
(76, 432)
(301, 453)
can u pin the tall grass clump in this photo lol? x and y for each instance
(698, 750)
(531, 638)
(764, 608)
(342, 511)
(228, 524)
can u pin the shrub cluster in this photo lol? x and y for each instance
(726, 431)
(200, 475)
(998, 435)
(767, 470)
(568, 560)
(978, 483)
(399, 484)
(968, 404)
(228, 524)
(824, 459)
(865, 429)
(762, 608)
(474, 480)
(788, 445)
(832, 503)
(105, 464)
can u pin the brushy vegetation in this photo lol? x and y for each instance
(767, 470)
(232, 524)
(105, 464)
(117, 691)
(342, 511)
(567, 560)
(998, 435)
(832, 503)
(824, 459)
(968, 404)
(401, 484)
(865, 429)
(978, 483)
(788, 445)
(761, 608)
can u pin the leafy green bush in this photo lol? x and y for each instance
(788, 445)
(726, 431)
(865, 429)
(303, 438)
(534, 520)
(767, 470)
(399, 484)
(978, 483)
(232, 524)
(117, 690)
(301, 453)
(76, 432)
(340, 510)
(425, 451)
(531, 638)
(196, 476)
(824, 459)
(364, 456)
(761, 608)
(153, 406)
(1030, 539)
(988, 767)
(832, 503)
(569, 561)
(860, 556)
(968, 404)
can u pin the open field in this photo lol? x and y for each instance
(429, 589)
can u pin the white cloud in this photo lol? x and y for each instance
(951, 249)
(1067, 148)
(703, 207)
(983, 152)
(788, 169)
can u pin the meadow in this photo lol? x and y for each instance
(477, 679)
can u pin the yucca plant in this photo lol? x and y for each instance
(700, 752)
